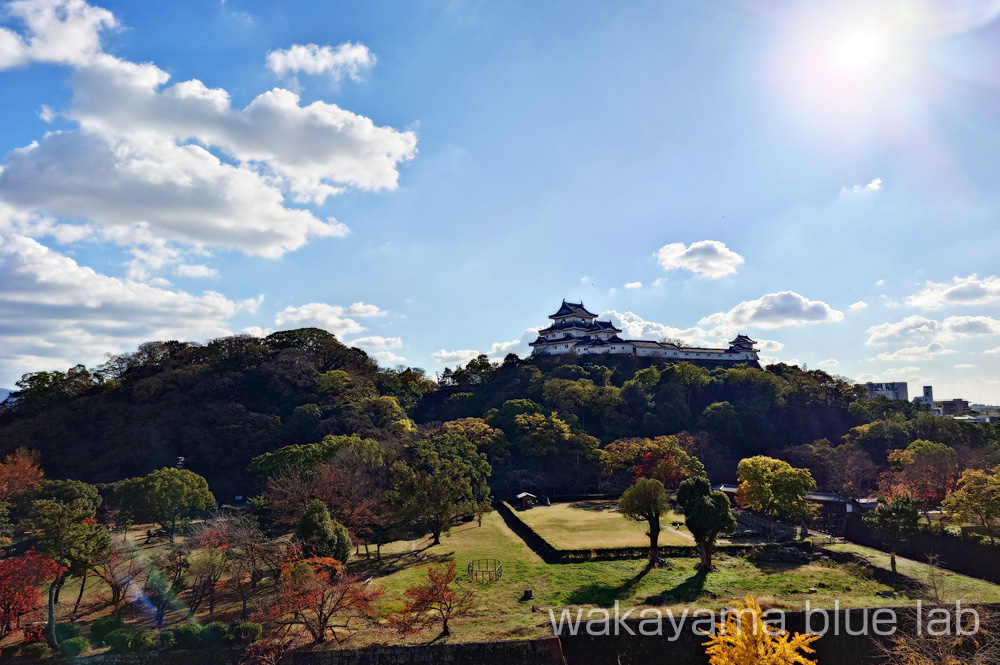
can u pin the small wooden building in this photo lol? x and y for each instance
(527, 500)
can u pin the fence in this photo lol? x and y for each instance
(553, 554)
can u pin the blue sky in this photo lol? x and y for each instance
(429, 179)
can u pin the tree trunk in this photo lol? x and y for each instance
(705, 553)
(50, 630)
(436, 532)
(378, 551)
(211, 603)
(76, 605)
(654, 542)
(445, 632)
(803, 530)
(892, 561)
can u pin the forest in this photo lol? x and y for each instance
(542, 422)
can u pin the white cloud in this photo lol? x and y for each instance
(859, 305)
(348, 59)
(964, 366)
(332, 318)
(705, 257)
(194, 271)
(584, 279)
(462, 356)
(55, 313)
(995, 351)
(774, 310)
(900, 371)
(880, 282)
(969, 290)
(167, 170)
(388, 358)
(915, 353)
(829, 362)
(969, 326)
(634, 285)
(911, 329)
(65, 32)
(873, 186)
(634, 326)
(377, 343)
(769, 345)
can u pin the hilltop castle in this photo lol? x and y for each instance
(575, 330)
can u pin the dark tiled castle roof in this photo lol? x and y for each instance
(573, 309)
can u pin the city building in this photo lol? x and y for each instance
(894, 390)
(576, 330)
(942, 407)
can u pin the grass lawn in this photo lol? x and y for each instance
(499, 613)
(597, 524)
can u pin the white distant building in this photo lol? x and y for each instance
(575, 330)
(894, 390)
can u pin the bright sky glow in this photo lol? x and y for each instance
(858, 51)
(429, 179)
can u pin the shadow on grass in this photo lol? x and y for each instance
(690, 589)
(605, 595)
(429, 555)
(597, 506)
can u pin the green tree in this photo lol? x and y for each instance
(68, 491)
(894, 521)
(69, 534)
(775, 487)
(707, 515)
(321, 535)
(978, 497)
(646, 501)
(172, 494)
(446, 477)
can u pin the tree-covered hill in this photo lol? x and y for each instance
(217, 405)
(542, 422)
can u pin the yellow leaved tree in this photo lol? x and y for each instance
(746, 639)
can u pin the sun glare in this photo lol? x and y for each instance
(858, 51)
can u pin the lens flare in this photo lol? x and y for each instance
(858, 51)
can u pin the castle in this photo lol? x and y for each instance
(575, 330)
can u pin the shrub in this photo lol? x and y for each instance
(143, 640)
(105, 625)
(67, 631)
(248, 632)
(9, 651)
(214, 634)
(120, 639)
(74, 646)
(167, 639)
(34, 633)
(187, 636)
(35, 651)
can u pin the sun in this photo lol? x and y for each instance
(858, 51)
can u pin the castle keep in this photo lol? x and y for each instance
(576, 330)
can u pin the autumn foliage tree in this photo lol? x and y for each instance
(745, 638)
(21, 580)
(19, 473)
(317, 596)
(925, 470)
(433, 602)
(662, 458)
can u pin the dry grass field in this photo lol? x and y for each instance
(597, 524)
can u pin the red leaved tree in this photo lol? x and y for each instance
(318, 596)
(433, 602)
(21, 580)
(19, 473)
